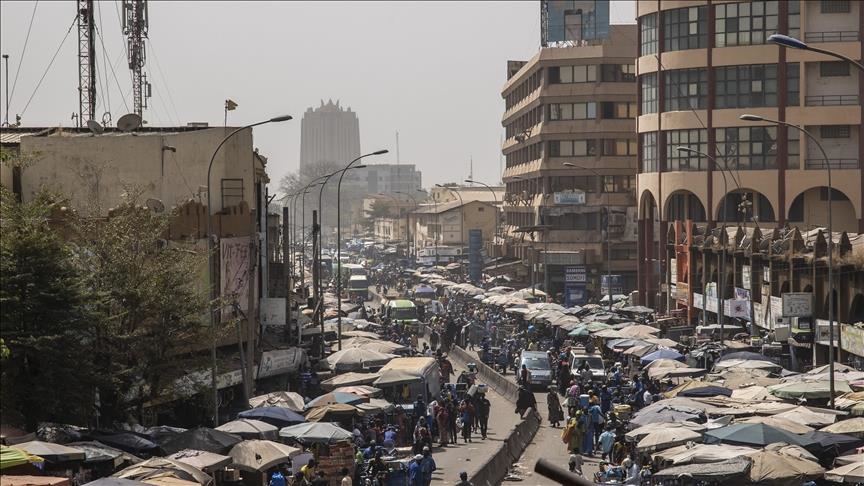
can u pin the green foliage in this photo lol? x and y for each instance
(45, 318)
(151, 310)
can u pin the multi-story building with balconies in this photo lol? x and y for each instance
(703, 64)
(570, 152)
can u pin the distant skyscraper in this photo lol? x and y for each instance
(329, 134)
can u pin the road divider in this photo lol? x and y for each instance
(485, 374)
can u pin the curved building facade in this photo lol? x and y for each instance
(703, 64)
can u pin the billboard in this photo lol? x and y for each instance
(575, 278)
(617, 284)
(574, 20)
(235, 273)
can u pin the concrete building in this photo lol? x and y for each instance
(449, 223)
(329, 134)
(570, 153)
(703, 64)
(390, 178)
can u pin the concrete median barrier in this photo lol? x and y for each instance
(500, 384)
(496, 468)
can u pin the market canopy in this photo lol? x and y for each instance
(95, 452)
(744, 364)
(275, 416)
(159, 467)
(780, 423)
(714, 472)
(202, 439)
(203, 460)
(129, 442)
(33, 481)
(392, 377)
(336, 397)
(261, 455)
(248, 428)
(809, 389)
(284, 399)
(807, 416)
(52, 452)
(853, 427)
(348, 379)
(11, 457)
(771, 467)
(664, 438)
(333, 412)
(319, 432)
(354, 359)
(640, 432)
(754, 435)
(109, 481)
(360, 390)
(661, 354)
(702, 453)
(850, 473)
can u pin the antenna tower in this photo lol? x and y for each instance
(135, 26)
(86, 63)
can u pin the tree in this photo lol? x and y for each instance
(379, 209)
(46, 319)
(151, 309)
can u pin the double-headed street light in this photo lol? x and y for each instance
(787, 41)
(339, 241)
(757, 118)
(210, 251)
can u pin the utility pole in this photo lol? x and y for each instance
(86, 64)
(286, 265)
(135, 26)
(316, 278)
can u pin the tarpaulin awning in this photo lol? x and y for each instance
(249, 428)
(11, 457)
(277, 416)
(319, 432)
(203, 460)
(202, 439)
(715, 471)
(754, 434)
(261, 455)
(774, 468)
(284, 399)
(52, 452)
(33, 481)
(160, 467)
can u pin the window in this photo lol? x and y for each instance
(833, 69)
(624, 254)
(232, 192)
(573, 221)
(793, 149)
(572, 74)
(618, 73)
(615, 183)
(753, 85)
(685, 28)
(525, 122)
(610, 110)
(794, 15)
(572, 148)
(523, 90)
(648, 35)
(748, 148)
(686, 89)
(572, 111)
(569, 183)
(678, 160)
(793, 84)
(834, 131)
(835, 6)
(619, 146)
(525, 154)
(650, 160)
(649, 93)
(746, 23)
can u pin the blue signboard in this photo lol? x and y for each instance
(475, 257)
(617, 284)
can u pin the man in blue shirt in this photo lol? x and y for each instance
(427, 467)
(607, 440)
(414, 475)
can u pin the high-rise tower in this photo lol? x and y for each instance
(329, 134)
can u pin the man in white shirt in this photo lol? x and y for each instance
(647, 397)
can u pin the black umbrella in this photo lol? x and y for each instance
(161, 434)
(128, 442)
(202, 439)
(706, 391)
(834, 444)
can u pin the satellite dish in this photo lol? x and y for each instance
(129, 122)
(155, 205)
(95, 127)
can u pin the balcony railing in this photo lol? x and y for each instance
(835, 163)
(832, 36)
(831, 100)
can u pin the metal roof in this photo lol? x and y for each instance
(14, 138)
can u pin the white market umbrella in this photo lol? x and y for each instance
(250, 429)
(261, 455)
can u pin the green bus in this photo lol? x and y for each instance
(402, 311)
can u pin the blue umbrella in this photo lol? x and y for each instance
(278, 416)
(661, 354)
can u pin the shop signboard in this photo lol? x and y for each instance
(797, 304)
(575, 279)
(573, 197)
(852, 339)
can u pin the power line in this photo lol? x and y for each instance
(105, 87)
(24, 49)
(164, 80)
(49, 65)
(113, 73)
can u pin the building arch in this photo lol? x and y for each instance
(745, 205)
(647, 205)
(809, 208)
(682, 205)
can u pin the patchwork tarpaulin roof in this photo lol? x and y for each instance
(715, 471)
(11, 457)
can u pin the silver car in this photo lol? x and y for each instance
(540, 373)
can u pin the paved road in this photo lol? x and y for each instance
(546, 444)
(453, 459)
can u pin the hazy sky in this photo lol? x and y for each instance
(433, 71)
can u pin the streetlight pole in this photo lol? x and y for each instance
(608, 242)
(721, 306)
(830, 235)
(408, 222)
(787, 41)
(396, 204)
(494, 198)
(461, 214)
(339, 242)
(211, 249)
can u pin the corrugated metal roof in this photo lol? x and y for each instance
(13, 138)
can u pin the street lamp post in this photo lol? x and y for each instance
(396, 204)
(809, 135)
(461, 214)
(787, 41)
(494, 198)
(608, 242)
(411, 243)
(721, 307)
(339, 242)
(210, 250)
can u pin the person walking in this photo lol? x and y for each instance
(415, 477)
(466, 415)
(463, 479)
(484, 407)
(443, 419)
(427, 467)
(607, 441)
(346, 478)
(553, 404)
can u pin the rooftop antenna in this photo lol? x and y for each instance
(135, 28)
(397, 147)
(471, 167)
(86, 63)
